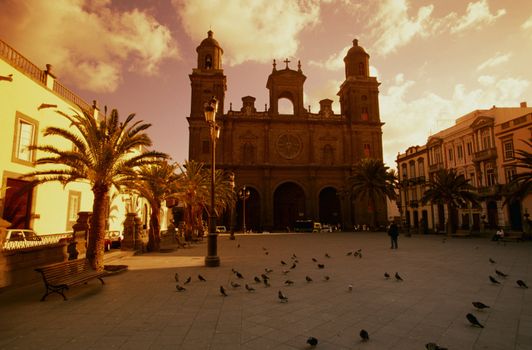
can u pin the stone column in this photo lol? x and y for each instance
(77, 247)
(128, 242)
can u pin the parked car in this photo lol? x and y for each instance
(326, 228)
(21, 235)
(112, 240)
(221, 229)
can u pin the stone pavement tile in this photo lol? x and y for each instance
(109, 342)
(137, 345)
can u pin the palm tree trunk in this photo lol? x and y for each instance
(449, 225)
(371, 209)
(95, 247)
(154, 241)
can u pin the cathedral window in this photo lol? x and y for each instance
(328, 155)
(208, 62)
(361, 69)
(364, 115)
(367, 150)
(248, 154)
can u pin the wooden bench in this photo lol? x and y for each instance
(512, 237)
(60, 276)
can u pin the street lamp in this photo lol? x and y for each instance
(212, 259)
(244, 194)
(232, 214)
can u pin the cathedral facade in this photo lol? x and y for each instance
(296, 166)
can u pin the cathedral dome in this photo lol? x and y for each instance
(356, 61)
(356, 50)
(209, 41)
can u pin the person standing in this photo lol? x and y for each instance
(393, 232)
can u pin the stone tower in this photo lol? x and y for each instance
(206, 80)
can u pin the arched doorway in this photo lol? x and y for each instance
(253, 218)
(329, 207)
(288, 205)
(493, 221)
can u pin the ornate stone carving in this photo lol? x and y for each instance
(288, 146)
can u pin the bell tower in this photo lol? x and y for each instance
(359, 103)
(207, 80)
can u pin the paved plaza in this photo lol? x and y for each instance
(141, 309)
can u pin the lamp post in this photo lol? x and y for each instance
(244, 194)
(232, 214)
(212, 259)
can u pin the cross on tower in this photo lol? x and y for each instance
(286, 61)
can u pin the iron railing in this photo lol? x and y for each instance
(16, 59)
(45, 240)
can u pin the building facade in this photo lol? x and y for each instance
(29, 100)
(295, 165)
(481, 146)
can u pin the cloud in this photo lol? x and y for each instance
(431, 113)
(88, 43)
(393, 27)
(527, 25)
(477, 14)
(258, 31)
(499, 58)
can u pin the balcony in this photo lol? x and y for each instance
(435, 167)
(486, 154)
(489, 191)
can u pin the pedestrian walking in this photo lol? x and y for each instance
(393, 232)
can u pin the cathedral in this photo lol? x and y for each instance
(295, 166)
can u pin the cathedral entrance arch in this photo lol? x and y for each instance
(329, 208)
(288, 205)
(253, 210)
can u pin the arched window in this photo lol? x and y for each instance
(361, 69)
(367, 150)
(208, 62)
(364, 115)
(248, 154)
(328, 155)
(285, 106)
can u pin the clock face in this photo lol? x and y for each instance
(288, 146)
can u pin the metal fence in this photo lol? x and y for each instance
(45, 240)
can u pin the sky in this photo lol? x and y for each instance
(436, 60)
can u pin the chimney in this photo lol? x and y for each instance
(523, 104)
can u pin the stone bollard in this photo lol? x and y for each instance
(77, 248)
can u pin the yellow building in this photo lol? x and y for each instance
(481, 147)
(29, 99)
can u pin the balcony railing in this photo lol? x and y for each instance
(489, 153)
(16, 59)
(489, 191)
(435, 167)
(45, 240)
(61, 90)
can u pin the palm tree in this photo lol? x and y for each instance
(155, 182)
(373, 181)
(193, 192)
(521, 184)
(451, 189)
(105, 151)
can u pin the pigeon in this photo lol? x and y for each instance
(283, 263)
(267, 270)
(234, 284)
(233, 270)
(288, 282)
(201, 278)
(364, 335)
(282, 297)
(308, 278)
(521, 284)
(314, 259)
(349, 253)
(321, 266)
(293, 266)
(386, 275)
(294, 256)
(222, 291)
(239, 275)
(492, 261)
(350, 287)
(265, 249)
(176, 277)
(266, 283)
(326, 278)
(397, 277)
(480, 305)
(434, 346)
(327, 255)
(500, 273)
(355, 254)
(264, 277)
(179, 288)
(312, 341)
(238, 246)
(286, 271)
(266, 253)
(250, 289)
(473, 320)
(494, 281)
(187, 281)
(256, 279)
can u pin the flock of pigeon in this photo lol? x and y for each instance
(264, 279)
